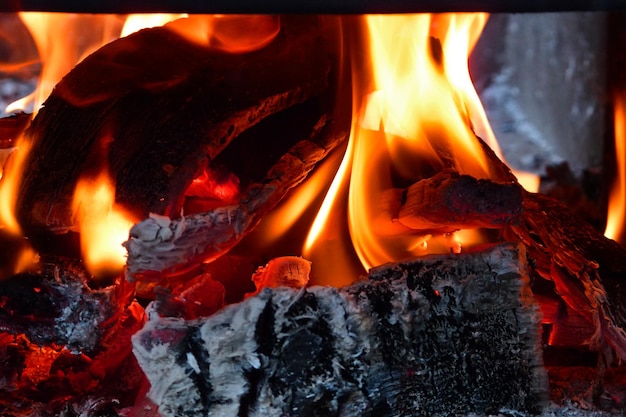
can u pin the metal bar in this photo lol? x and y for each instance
(309, 6)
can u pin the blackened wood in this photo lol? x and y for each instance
(160, 246)
(441, 335)
(448, 201)
(155, 109)
(584, 268)
(57, 306)
(326, 6)
(587, 269)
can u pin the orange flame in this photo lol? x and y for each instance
(136, 22)
(230, 33)
(103, 225)
(617, 198)
(9, 186)
(414, 120)
(59, 50)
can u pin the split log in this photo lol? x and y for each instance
(160, 246)
(440, 335)
(155, 109)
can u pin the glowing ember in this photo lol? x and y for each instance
(617, 198)
(103, 225)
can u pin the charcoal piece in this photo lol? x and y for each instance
(441, 335)
(57, 306)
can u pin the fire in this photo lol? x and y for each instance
(136, 22)
(103, 225)
(9, 186)
(414, 116)
(59, 51)
(230, 33)
(617, 198)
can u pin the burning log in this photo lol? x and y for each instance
(445, 335)
(157, 109)
(586, 268)
(448, 201)
(160, 246)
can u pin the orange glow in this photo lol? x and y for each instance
(56, 36)
(136, 22)
(280, 220)
(617, 198)
(229, 33)
(412, 119)
(415, 112)
(9, 186)
(103, 225)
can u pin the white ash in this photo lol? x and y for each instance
(446, 335)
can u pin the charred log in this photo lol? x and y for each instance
(448, 201)
(160, 109)
(444, 335)
(586, 268)
(160, 246)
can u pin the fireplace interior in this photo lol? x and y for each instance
(288, 231)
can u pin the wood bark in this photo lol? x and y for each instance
(440, 335)
(154, 109)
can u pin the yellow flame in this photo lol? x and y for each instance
(136, 22)
(414, 117)
(63, 40)
(617, 198)
(9, 186)
(103, 225)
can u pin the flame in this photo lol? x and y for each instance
(9, 186)
(229, 33)
(59, 50)
(413, 116)
(617, 198)
(136, 22)
(103, 225)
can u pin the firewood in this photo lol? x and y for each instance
(448, 201)
(156, 108)
(587, 269)
(160, 246)
(440, 335)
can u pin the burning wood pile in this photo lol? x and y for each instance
(198, 137)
